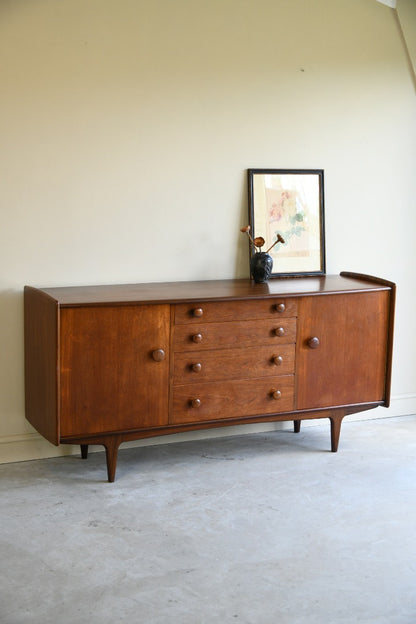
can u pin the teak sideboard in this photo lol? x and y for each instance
(108, 364)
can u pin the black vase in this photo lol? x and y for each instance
(261, 264)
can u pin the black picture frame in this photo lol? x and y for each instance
(289, 202)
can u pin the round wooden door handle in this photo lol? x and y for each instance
(276, 394)
(277, 359)
(198, 312)
(313, 343)
(197, 367)
(158, 355)
(197, 338)
(280, 307)
(196, 402)
(279, 331)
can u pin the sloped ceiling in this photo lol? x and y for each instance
(406, 13)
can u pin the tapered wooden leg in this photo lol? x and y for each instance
(336, 421)
(111, 450)
(84, 451)
(296, 426)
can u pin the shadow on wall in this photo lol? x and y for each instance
(12, 363)
(242, 260)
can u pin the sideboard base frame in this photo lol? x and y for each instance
(112, 442)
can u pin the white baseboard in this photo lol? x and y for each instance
(29, 446)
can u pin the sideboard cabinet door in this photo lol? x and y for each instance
(114, 368)
(342, 349)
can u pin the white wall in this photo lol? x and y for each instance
(127, 127)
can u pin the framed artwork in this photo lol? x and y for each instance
(289, 204)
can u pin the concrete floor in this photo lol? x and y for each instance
(254, 529)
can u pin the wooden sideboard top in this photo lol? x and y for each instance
(175, 292)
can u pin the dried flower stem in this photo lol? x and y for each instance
(280, 239)
(246, 229)
(259, 241)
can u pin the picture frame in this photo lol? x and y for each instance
(289, 202)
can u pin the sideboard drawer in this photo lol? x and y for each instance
(232, 399)
(210, 312)
(221, 364)
(238, 334)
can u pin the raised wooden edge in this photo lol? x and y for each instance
(367, 278)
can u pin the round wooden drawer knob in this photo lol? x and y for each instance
(197, 338)
(198, 312)
(280, 307)
(196, 403)
(279, 331)
(158, 355)
(277, 359)
(197, 367)
(276, 394)
(313, 343)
